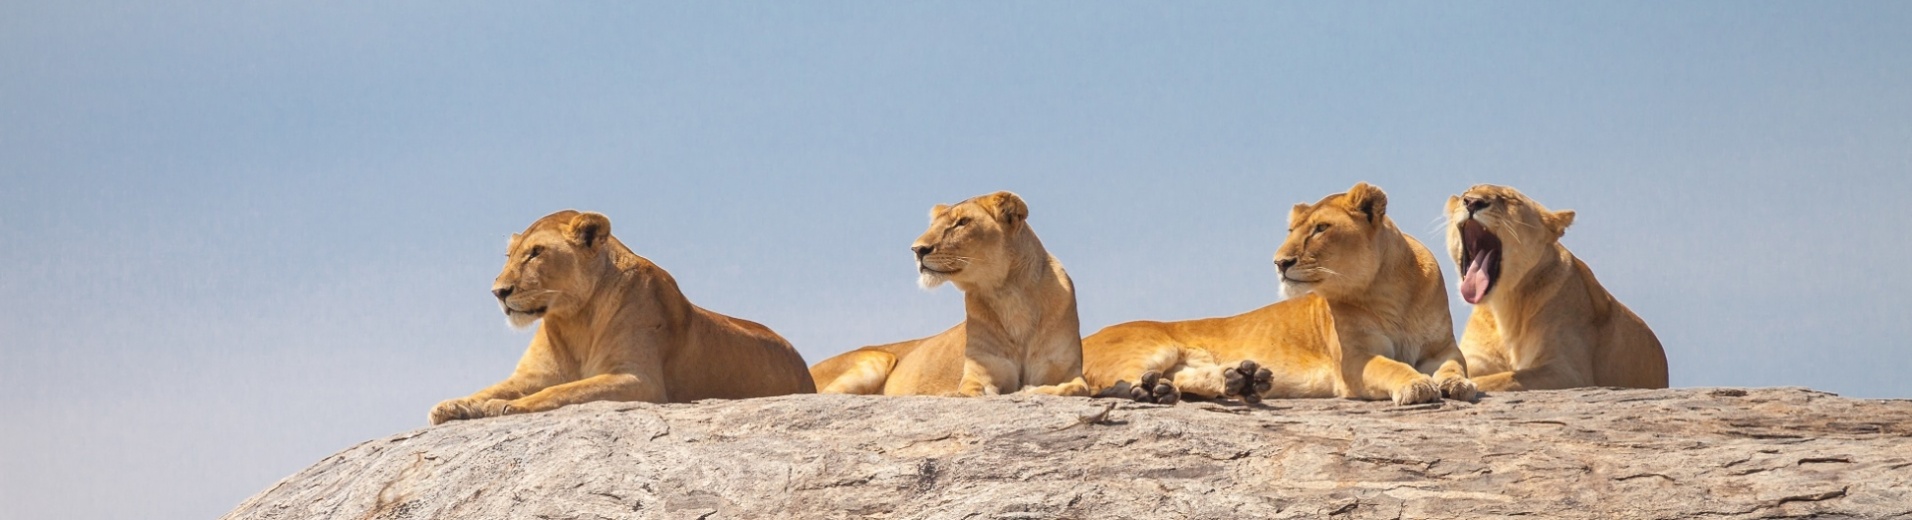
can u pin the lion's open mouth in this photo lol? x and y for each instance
(1480, 261)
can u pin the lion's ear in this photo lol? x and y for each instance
(938, 211)
(1010, 208)
(1558, 221)
(588, 229)
(1368, 200)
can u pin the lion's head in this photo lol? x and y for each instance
(1334, 246)
(971, 243)
(553, 266)
(1496, 233)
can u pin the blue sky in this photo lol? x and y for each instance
(242, 236)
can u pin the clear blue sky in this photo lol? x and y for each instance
(240, 236)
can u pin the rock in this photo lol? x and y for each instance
(1591, 453)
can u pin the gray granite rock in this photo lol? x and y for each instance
(1593, 453)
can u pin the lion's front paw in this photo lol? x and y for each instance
(1073, 388)
(497, 408)
(468, 408)
(454, 410)
(1422, 390)
(1249, 381)
(1459, 389)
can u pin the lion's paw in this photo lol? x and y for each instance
(1459, 389)
(1249, 381)
(453, 410)
(1155, 389)
(467, 408)
(1422, 390)
(497, 408)
(1119, 389)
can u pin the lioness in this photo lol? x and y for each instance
(1540, 318)
(617, 329)
(1019, 330)
(1367, 318)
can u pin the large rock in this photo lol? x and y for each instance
(1594, 453)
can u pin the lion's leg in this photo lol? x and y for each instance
(537, 369)
(986, 375)
(1198, 374)
(1547, 377)
(1299, 378)
(1482, 361)
(1059, 373)
(1555, 362)
(1200, 379)
(518, 385)
(606, 387)
(1498, 382)
(1485, 352)
(855, 372)
(1383, 377)
(474, 406)
(1147, 377)
(1450, 374)
(1075, 388)
(1477, 370)
(1201, 376)
(1490, 374)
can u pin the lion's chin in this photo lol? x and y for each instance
(928, 279)
(522, 320)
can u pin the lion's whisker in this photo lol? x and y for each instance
(1439, 225)
(1515, 237)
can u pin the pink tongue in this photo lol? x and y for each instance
(1474, 282)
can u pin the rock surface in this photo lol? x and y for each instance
(1594, 453)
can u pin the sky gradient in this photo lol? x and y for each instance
(243, 236)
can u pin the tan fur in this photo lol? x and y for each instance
(1019, 331)
(1368, 319)
(615, 328)
(1546, 323)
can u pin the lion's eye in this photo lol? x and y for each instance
(1320, 227)
(534, 252)
(962, 222)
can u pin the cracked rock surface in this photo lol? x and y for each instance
(1591, 453)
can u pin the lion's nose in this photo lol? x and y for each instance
(921, 251)
(501, 293)
(1282, 264)
(1475, 204)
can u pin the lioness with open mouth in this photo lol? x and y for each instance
(1540, 321)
